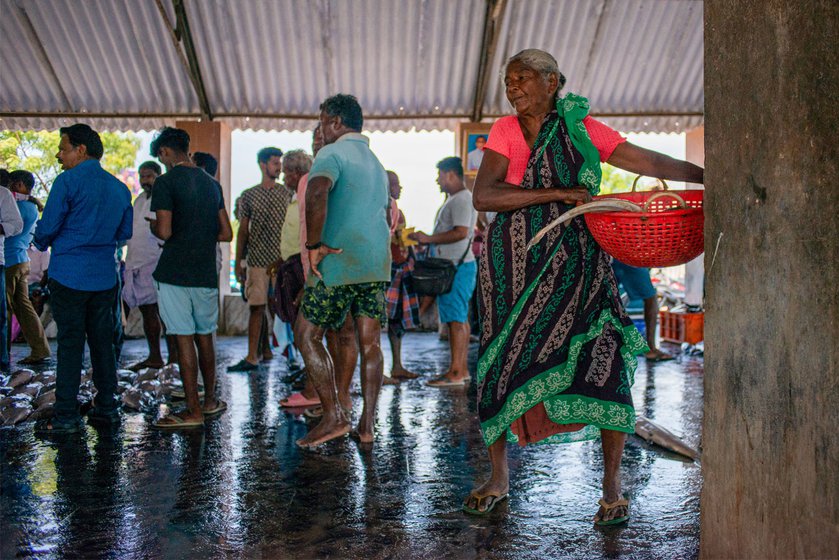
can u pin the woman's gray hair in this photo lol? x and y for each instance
(539, 61)
(298, 160)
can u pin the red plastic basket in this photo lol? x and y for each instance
(668, 232)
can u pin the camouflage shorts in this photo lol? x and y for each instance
(327, 307)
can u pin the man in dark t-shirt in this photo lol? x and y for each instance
(190, 218)
(189, 256)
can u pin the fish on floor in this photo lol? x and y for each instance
(661, 436)
(15, 414)
(43, 399)
(21, 377)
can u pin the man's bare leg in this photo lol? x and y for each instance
(207, 364)
(320, 370)
(188, 365)
(264, 352)
(459, 345)
(397, 371)
(372, 365)
(343, 348)
(499, 479)
(151, 328)
(255, 322)
(171, 345)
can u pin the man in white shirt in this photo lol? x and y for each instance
(452, 239)
(10, 224)
(143, 253)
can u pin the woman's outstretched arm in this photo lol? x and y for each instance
(642, 161)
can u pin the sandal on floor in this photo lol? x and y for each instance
(50, 426)
(243, 365)
(33, 360)
(296, 400)
(444, 381)
(178, 393)
(220, 407)
(175, 422)
(143, 365)
(313, 412)
(659, 356)
(491, 501)
(106, 417)
(607, 507)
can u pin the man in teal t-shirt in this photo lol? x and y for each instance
(348, 241)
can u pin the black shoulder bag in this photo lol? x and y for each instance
(434, 276)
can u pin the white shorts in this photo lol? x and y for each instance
(138, 286)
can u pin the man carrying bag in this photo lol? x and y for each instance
(452, 272)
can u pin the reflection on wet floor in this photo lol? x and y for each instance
(242, 488)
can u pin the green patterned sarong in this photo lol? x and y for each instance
(557, 354)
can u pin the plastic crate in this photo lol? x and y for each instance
(681, 327)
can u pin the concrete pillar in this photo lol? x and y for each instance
(215, 138)
(695, 269)
(770, 457)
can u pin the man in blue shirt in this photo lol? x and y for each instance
(348, 243)
(17, 270)
(87, 216)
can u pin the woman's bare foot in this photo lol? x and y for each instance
(495, 488)
(612, 489)
(612, 512)
(325, 431)
(611, 496)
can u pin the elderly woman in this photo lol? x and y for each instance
(557, 355)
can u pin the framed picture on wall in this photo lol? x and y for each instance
(471, 139)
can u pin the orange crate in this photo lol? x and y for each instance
(681, 327)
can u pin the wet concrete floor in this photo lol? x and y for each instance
(241, 488)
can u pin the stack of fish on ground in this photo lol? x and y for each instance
(149, 387)
(26, 395)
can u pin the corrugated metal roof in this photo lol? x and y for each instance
(267, 64)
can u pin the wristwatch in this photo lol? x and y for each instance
(314, 246)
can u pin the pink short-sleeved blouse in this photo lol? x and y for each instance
(506, 138)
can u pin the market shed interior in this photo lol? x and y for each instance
(761, 76)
